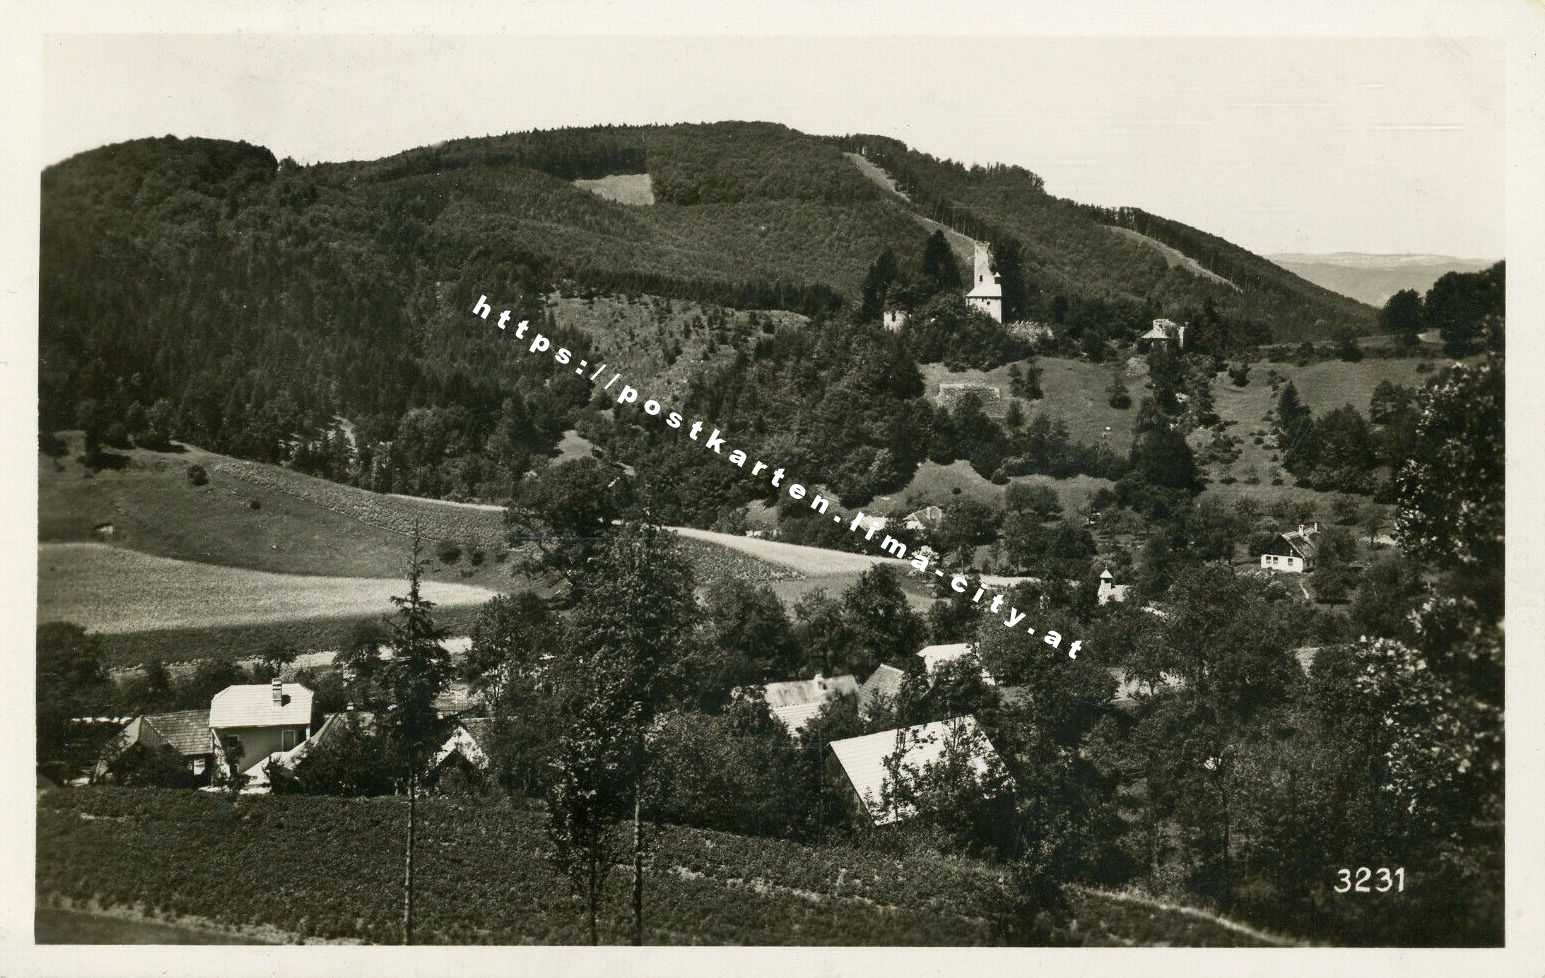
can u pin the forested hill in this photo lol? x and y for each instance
(207, 289)
(1076, 253)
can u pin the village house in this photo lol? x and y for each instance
(185, 731)
(466, 751)
(936, 657)
(894, 319)
(927, 518)
(861, 761)
(795, 703)
(879, 689)
(1292, 552)
(986, 294)
(251, 722)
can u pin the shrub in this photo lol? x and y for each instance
(254, 504)
(449, 551)
(197, 475)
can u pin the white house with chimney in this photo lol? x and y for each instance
(1293, 552)
(253, 721)
(986, 293)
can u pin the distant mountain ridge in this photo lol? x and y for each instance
(1373, 278)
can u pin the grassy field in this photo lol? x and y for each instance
(126, 650)
(1322, 386)
(113, 590)
(636, 189)
(1074, 389)
(483, 877)
(302, 526)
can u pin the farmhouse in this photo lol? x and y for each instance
(796, 702)
(185, 731)
(252, 721)
(1292, 553)
(861, 760)
(986, 294)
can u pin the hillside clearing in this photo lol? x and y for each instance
(112, 590)
(634, 189)
(1173, 257)
(963, 246)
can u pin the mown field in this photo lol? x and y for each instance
(111, 590)
(1076, 390)
(301, 525)
(331, 868)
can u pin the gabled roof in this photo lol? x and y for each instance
(252, 705)
(186, 730)
(1302, 540)
(863, 758)
(928, 515)
(986, 290)
(796, 702)
(468, 739)
(884, 681)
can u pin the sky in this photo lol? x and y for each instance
(1278, 144)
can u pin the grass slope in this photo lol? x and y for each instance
(484, 878)
(303, 526)
(110, 590)
(1074, 389)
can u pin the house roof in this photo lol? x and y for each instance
(252, 705)
(186, 730)
(802, 692)
(986, 290)
(927, 516)
(1302, 540)
(468, 739)
(936, 656)
(863, 758)
(884, 681)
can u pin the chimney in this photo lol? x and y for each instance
(278, 688)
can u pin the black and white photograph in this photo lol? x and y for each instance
(858, 489)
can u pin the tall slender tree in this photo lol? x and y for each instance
(416, 673)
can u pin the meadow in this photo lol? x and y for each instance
(111, 590)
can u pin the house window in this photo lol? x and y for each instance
(198, 765)
(232, 744)
(287, 739)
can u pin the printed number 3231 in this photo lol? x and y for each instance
(1388, 879)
